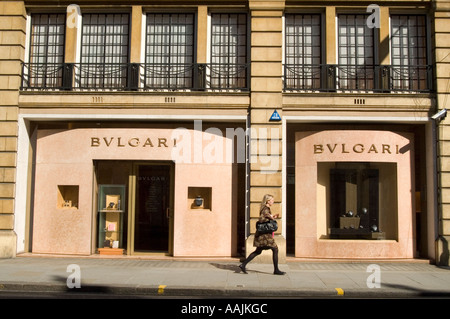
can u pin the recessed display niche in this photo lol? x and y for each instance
(68, 196)
(199, 197)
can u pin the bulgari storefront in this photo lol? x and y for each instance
(359, 191)
(136, 189)
(179, 189)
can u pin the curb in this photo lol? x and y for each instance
(207, 292)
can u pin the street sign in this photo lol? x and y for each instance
(275, 116)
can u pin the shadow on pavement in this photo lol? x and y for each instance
(419, 292)
(234, 268)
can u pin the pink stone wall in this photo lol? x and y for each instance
(66, 158)
(352, 146)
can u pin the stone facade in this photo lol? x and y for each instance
(442, 60)
(266, 167)
(12, 48)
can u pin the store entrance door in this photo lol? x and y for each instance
(152, 211)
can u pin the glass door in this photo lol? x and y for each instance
(152, 212)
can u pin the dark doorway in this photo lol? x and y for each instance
(152, 210)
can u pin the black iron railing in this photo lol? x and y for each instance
(134, 76)
(361, 78)
(44, 76)
(197, 77)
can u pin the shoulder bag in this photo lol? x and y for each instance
(267, 227)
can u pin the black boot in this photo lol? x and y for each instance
(275, 262)
(278, 272)
(242, 266)
(249, 258)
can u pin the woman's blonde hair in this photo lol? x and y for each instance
(265, 199)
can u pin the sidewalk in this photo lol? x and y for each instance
(222, 278)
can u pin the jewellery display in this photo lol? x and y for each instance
(110, 218)
(198, 200)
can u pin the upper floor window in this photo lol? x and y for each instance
(169, 54)
(409, 52)
(356, 54)
(357, 67)
(302, 51)
(46, 51)
(228, 51)
(104, 51)
(169, 51)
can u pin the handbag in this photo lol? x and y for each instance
(267, 227)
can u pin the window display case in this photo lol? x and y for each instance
(111, 211)
(357, 204)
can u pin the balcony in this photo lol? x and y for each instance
(360, 78)
(134, 77)
(222, 77)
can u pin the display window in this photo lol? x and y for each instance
(361, 199)
(353, 194)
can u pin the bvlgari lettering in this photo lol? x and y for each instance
(131, 142)
(356, 148)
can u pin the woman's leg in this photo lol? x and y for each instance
(276, 271)
(250, 258)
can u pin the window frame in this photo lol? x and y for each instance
(219, 74)
(101, 74)
(44, 73)
(314, 76)
(409, 76)
(354, 75)
(183, 71)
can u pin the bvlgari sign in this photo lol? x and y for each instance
(357, 148)
(150, 142)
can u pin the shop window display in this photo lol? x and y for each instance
(361, 200)
(68, 196)
(111, 208)
(199, 197)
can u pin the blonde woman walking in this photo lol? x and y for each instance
(264, 241)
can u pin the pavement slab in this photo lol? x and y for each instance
(222, 278)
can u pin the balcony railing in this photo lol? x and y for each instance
(234, 77)
(358, 78)
(135, 76)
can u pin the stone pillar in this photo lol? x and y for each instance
(330, 35)
(12, 48)
(266, 97)
(136, 34)
(202, 34)
(384, 56)
(442, 68)
(70, 50)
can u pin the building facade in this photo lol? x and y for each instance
(156, 127)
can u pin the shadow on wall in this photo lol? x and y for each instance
(443, 258)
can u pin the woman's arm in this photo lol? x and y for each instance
(265, 213)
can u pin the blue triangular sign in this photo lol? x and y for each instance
(275, 116)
